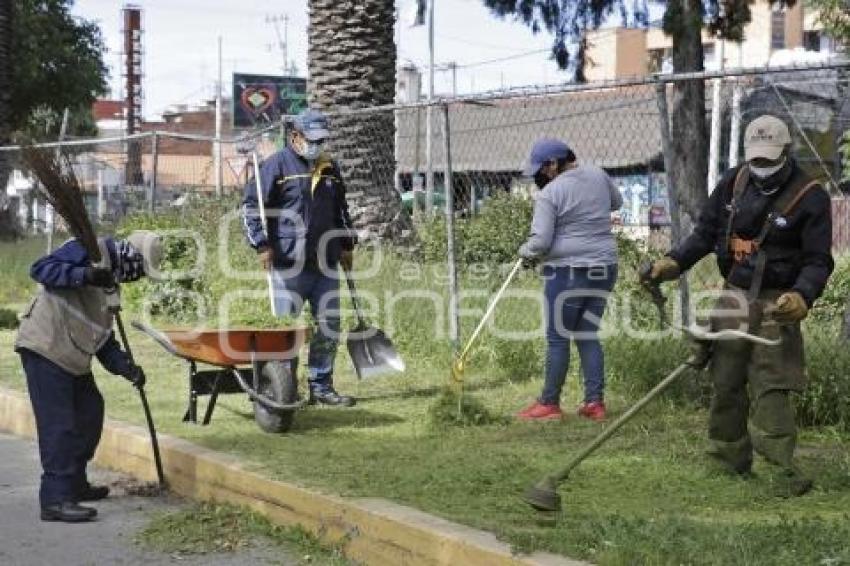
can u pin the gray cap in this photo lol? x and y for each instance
(766, 138)
(312, 124)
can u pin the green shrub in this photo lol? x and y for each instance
(493, 236)
(519, 360)
(832, 304)
(826, 399)
(8, 319)
(635, 365)
(176, 299)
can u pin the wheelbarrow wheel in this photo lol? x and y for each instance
(277, 382)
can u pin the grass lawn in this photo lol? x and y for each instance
(15, 261)
(644, 498)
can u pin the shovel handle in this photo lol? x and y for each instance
(354, 298)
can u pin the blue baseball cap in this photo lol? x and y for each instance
(544, 150)
(312, 124)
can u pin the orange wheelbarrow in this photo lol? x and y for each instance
(261, 363)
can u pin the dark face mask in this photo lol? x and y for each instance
(541, 179)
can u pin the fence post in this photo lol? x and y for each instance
(454, 323)
(714, 140)
(154, 163)
(672, 191)
(429, 160)
(101, 198)
(735, 127)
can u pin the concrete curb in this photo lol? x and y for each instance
(373, 531)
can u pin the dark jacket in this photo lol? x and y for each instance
(68, 321)
(798, 247)
(305, 209)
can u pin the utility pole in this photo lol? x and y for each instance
(282, 40)
(217, 144)
(429, 126)
(453, 68)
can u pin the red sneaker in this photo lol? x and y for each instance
(595, 410)
(540, 412)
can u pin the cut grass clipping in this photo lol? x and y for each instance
(458, 409)
(209, 528)
(8, 319)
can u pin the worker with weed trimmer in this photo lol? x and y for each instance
(296, 219)
(67, 323)
(769, 225)
(571, 236)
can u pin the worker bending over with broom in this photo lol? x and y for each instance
(68, 322)
(770, 226)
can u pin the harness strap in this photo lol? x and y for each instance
(738, 186)
(779, 209)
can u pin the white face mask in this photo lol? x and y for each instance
(307, 149)
(765, 172)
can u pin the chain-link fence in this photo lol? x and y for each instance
(143, 172)
(395, 157)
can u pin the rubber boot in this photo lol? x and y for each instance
(732, 458)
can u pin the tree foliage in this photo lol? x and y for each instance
(567, 20)
(57, 63)
(834, 16)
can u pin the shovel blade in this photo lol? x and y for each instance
(372, 353)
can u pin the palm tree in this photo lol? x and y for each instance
(352, 62)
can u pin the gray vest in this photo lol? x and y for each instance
(68, 326)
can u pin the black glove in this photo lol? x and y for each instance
(99, 277)
(529, 262)
(135, 375)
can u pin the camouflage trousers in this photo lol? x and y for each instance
(751, 405)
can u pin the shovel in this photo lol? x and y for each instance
(372, 353)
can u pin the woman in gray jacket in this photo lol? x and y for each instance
(571, 236)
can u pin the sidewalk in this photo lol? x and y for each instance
(25, 540)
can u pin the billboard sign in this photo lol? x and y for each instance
(262, 99)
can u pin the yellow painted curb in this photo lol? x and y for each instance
(373, 531)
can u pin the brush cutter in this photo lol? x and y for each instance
(544, 495)
(459, 364)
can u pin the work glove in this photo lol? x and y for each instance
(663, 269)
(346, 260)
(790, 307)
(266, 255)
(135, 375)
(98, 277)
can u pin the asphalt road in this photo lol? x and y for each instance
(25, 540)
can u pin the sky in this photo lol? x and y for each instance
(181, 45)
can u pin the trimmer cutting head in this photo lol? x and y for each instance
(543, 496)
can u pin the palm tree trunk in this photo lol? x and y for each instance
(352, 60)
